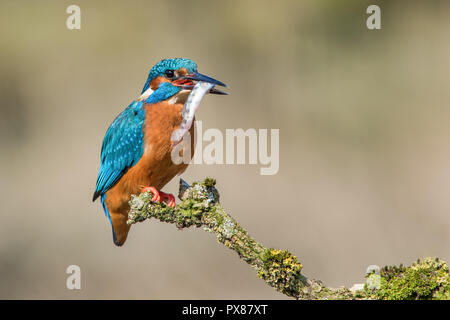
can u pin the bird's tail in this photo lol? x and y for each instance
(118, 222)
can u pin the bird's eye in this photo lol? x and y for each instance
(169, 73)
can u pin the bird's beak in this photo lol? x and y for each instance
(201, 77)
(195, 76)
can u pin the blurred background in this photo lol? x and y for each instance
(364, 141)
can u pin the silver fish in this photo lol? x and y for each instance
(189, 108)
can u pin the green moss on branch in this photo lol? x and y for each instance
(427, 279)
(280, 269)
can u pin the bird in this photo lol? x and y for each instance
(136, 149)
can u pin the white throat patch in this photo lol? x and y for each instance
(145, 94)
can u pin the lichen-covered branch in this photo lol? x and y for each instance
(280, 269)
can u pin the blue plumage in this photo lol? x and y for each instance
(121, 149)
(105, 208)
(122, 146)
(164, 92)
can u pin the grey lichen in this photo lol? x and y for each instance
(228, 228)
(200, 207)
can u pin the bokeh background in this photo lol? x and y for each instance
(364, 140)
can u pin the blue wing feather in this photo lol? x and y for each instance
(122, 146)
(121, 149)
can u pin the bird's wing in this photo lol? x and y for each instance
(122, 147)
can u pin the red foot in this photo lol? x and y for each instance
(159, 196)
(169, 197)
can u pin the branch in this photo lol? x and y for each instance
(280, 269)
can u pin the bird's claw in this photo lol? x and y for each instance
(170, 199)
(155, 192)
(159, 196)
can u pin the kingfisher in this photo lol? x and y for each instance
(136, 150)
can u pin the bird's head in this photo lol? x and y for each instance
(179, 72)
